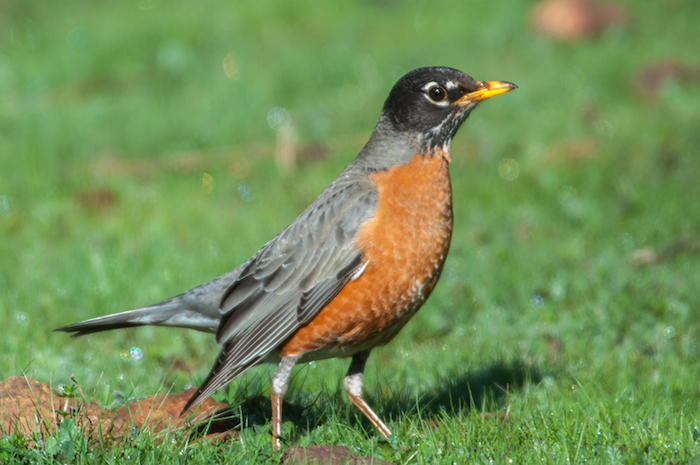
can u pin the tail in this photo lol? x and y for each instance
(195, 309)
(168, 313)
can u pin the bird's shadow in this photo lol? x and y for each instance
(485, 389)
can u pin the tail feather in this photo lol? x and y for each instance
(169, 313)
(88, 327)
(197, 309)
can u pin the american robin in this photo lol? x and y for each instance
(353, 268)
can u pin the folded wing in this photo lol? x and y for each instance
(290, 280)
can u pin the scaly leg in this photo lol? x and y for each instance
(353, 387)
(278, 387)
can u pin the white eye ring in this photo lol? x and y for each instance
(436, 94)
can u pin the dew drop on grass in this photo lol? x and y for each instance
(604, 128)
(536, 301)
(669, 332)
(312, 364)
(136, 353)
(62, 389)
(5, 206)
(626, 241)
(557, 290)
(23, 318)
(230, 66)
(101, 289)
(207, 183)
(567, 195)
(509, 169)
(277, 118)
(246, 191)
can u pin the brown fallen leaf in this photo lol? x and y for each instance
(649, 256)
(576, 19)
(97, 199)
(645, 256)
(652, 78)
(313, 152)
(555, 346)
(326, 455)
(179, 364)
(162, 412)
(572, 151)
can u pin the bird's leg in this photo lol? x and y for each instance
(353, 387)
(278, 387)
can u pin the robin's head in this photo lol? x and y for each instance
(433, 102)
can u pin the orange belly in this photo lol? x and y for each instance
(404, 248)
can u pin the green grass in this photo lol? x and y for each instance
(604, 368)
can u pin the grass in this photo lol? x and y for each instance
(124, 148)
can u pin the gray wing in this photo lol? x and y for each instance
(291, 279)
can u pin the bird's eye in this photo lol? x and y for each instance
(437, 93)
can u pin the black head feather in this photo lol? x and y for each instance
(410, 107)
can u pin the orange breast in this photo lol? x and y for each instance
(404, 247)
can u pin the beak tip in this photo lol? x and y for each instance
(505, 85)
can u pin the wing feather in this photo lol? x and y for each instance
(291, 279)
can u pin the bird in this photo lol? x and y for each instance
(353, 268)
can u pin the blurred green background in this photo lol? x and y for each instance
(138, 144)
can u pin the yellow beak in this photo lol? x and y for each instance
(487, 89)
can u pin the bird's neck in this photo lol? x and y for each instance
(388, 147)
